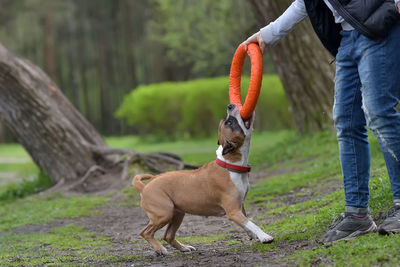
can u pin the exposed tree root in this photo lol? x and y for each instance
(120, 159)
(88, 174)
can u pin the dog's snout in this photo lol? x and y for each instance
(231, 106)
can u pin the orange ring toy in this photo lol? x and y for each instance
(235, 76)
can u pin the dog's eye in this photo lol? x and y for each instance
(228, 122)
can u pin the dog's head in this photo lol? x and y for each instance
(233, 130)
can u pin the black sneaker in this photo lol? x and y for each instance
(347, 226)
(391, 225)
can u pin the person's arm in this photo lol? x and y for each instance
(275, 31)
(397, 4)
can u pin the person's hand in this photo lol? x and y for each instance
(255, 38)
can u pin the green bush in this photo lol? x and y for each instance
(25, 188)
(194, 108)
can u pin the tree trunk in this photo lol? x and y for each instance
(59, 139)
(129, 42)
(303, 66)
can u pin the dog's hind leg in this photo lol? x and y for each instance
(148, 234)
(244, 211)
(170, 233)
(160, 212)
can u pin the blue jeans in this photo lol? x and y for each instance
(367, 90)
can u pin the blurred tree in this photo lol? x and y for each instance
(59, 139)
(202, 35)
(303, 65)
(99, 50)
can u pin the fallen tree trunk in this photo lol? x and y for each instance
(59, 139)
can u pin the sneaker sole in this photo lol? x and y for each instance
(350, 237)
(372, 229)
(382, 231)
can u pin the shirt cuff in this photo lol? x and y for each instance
(267, 35)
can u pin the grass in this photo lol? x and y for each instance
(61, 245)
(302, 198)
(367, 250)
(200, 151)
(24, 188)
(12, 150)
(42, 210)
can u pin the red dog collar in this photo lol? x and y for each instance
(236, 168)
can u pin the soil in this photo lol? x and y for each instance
(121, 221)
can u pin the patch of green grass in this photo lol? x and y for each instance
(40, 210)
(295, 148)
(195, 151)
(131, 197)
(13, 150)
(200, 151)
(21, 168)
(312, 161)
(309, 219)
(366, 250)
(260, 247)
(233, 242)
(315, 165)
(380, 191)
(62, 245)
(285, 183)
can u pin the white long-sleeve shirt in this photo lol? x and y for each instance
(295, 13)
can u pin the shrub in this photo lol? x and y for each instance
(194, 108)
(25, 188)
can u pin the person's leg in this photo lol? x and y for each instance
(354, 152)
(350, 125)
(380, 77)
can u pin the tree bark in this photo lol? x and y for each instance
(59, 139)
(303, 66)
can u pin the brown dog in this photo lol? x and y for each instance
(215, 189)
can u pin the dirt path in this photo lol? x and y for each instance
(121, 221)
(122, 225)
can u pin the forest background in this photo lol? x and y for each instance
(99, 51)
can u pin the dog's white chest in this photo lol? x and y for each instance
(241, 181)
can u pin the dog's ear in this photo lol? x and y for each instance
(228, 147)
(220, 135)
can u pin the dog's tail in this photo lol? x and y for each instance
(137, 181)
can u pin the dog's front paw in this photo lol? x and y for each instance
(187, 248)
(265, 238)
